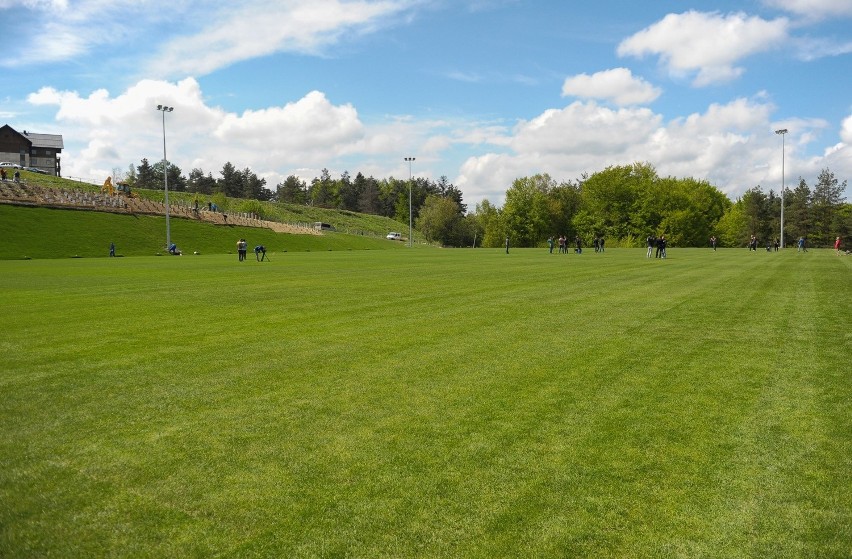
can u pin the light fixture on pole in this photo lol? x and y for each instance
(410, 229)
(164, 109)
(782, 132)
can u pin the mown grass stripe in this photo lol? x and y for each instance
(430, 403)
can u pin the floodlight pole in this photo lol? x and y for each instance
(782, 132)
(164, 109)
(410, 229)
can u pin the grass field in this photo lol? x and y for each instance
(32, 232)
(427, 403)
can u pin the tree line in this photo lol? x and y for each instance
(439, 201)
(819, 214)
(623, 204)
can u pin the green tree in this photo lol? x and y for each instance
(145, 176)
(177, 182)
(323, 191)
(368, 194)
(563, 203)
(231, 183)
(526, 212)
(690, 210)
(293, 190)
(447, 190)
(826, 200)
(755, 207)
(613, 200)
(489, 225)
(732, 230)
(439, 218)
(254, 187)
(844, 224)
(201, 183)
(797, 210)
(349, 191)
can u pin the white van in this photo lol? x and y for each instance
(394, 236)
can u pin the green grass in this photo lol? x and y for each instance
(30, 232)
(428, 403)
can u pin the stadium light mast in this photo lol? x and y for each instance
(782, 132)
(164, 109)
(410, 229)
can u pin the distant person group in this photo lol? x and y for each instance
(242, 250)
(4, 176)
(578, 244)
(770, 244)
(659, 243)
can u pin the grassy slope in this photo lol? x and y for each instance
(428, 403)
(57, 233)
(344, 221)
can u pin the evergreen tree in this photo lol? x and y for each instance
(254, 187)
(293, 190)
(231, 183)
(177, 182)
(201, 183)
(322, 192)
(145, 175)
(368, 194)
(797, 210)
(756, 211)
(826, 199)
(350, 191)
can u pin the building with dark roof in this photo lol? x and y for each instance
(28, 149)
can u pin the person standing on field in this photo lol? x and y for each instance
(713, 242)
(837, 246)
(652, 241)
(242, 248)
(507, 244)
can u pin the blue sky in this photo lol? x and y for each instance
(482, 92)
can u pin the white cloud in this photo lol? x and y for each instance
(48, 5)
(617, 85)
(732, 145)
(311, 123)
(846, 130)
(211, 35)
(57, 31)
(310, 131)
(707, 45)
(809, 48)
(814, 9)
(257, 29)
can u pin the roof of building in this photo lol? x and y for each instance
(52, 141)
(45, 140)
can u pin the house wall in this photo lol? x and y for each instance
(18, 150)
(14, 149)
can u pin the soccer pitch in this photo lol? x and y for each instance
(428, 403)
